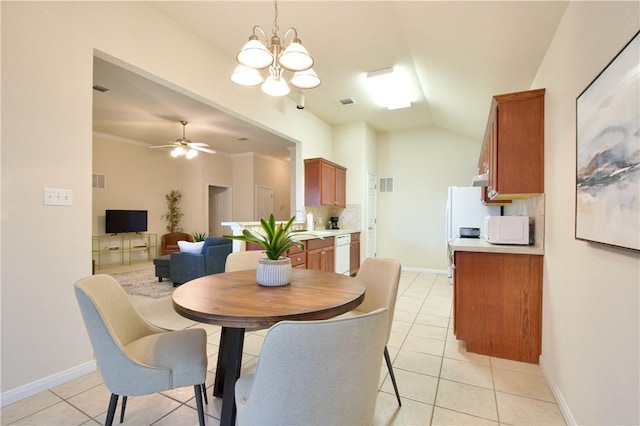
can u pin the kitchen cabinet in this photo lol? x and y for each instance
(513, 147)
(497, 304)
(325, 183)
(298, 257)
(354, 254)
(320, 253)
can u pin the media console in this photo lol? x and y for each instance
(118, 249)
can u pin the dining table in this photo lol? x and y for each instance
(236, 302)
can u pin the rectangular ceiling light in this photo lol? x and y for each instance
(389, 88)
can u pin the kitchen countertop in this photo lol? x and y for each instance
(302, 236)
(482, 246)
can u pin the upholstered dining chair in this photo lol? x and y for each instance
(134, 356)
(381, 278)
(243, 260)
(315, 373)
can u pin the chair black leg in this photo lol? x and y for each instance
(387, 358)
(204, 393)
(112, 409)
(198, 391)
(124, 407)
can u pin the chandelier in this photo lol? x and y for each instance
(256, 55)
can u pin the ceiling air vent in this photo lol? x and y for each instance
(386, 185)
(100, 88)
(347, 101)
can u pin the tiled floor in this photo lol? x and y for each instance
(440, 382)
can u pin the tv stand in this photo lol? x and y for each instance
(121, 249)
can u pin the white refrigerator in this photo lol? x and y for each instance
(465, 209)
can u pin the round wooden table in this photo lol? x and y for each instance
(235, 301)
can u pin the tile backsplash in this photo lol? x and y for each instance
(532, 207)
(348, 218)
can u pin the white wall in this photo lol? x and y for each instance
(47, 57)
(423, 164)
(591, 294)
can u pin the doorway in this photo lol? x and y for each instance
(219, 209)
(264, 202)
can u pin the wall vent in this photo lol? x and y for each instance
(386, 185)
(98, 181)
(100, 88)
(347, 101)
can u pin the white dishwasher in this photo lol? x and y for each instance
(342, 251)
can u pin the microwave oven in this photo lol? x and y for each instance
(508, 230)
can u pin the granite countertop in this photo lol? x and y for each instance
(302, 236)
(482, 246)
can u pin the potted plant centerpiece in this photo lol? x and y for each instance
(275, 239)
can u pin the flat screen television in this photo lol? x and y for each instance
(120, 221)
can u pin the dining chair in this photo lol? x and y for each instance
(381, 278)
(315, 373)
(243, 260)
(134, 356)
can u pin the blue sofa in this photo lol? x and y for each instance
(188, 266)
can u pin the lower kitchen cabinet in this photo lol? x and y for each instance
(498, 304)
(298, 257)
(320, 254)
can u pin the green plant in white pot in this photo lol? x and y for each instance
(275, 239)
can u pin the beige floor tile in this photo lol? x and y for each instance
(457, 349)
(404, 316)
(468, 399)
(421, 330)
(93, 401)
(434, 320)
(411, 413)
(28, 406)
(401, 327)
(467, 372)
(425, 345)
(144, 410)
(518, 410)
(408, 304)
(523, 384)
(435, 309)
(523, 367)
(442, 416)
(62, 414)
(184, 415)
(253, 344)
(415, 386)
(396, 339)
(418, 362)
(81, 384)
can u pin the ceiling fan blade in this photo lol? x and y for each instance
(194, 144)
(162, 146)
(207, 150)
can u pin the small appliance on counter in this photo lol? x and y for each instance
(466, 232)
(517, 230)
(333, 222)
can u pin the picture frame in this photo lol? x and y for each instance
(607, 194)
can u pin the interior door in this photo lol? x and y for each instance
(219, 209)
(264, 202)
(371, 215)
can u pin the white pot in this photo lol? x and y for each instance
(274, 273)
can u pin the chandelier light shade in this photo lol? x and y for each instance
(256, 55)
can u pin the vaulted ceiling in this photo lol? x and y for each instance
(457, 54)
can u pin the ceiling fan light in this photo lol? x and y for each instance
(275, 86)
(246, 76)
(254, 54)
(191, 153)
(307, 79)
(295, 57)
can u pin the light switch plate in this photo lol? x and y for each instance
(57, 197)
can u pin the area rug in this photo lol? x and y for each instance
(144, 283)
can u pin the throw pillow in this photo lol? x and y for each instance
(189, 247)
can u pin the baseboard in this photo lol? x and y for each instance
(425, 270)
(30, 389)
(562, 404)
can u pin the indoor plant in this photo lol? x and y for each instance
(199, 236)
(275, 239)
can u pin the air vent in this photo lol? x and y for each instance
(242, 138)
(347, 101)
(386, 185)
(100, 88)
(98, 181)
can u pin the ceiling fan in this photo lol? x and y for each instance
(186, 147)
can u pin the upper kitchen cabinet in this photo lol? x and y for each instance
(513, 147)
(325, 183)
